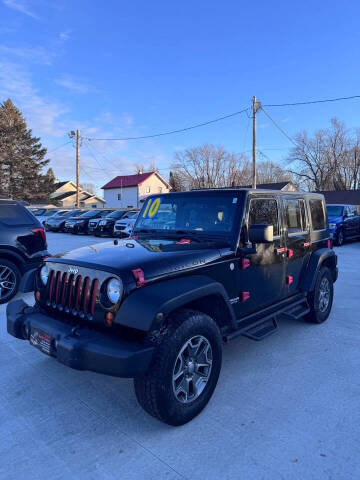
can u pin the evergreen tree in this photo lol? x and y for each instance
(175, 182)
(22, 158)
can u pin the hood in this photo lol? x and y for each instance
(335, 219)
(127, 255)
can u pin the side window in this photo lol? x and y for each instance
(264, 211)
(305, 225)
(317, 214)
(295, 215)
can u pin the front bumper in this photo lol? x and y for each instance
(81, 348)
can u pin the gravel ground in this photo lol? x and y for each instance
(285, 408)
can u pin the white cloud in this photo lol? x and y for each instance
(43, 115)
(73, 85)
(20, 6)
(34, 54)
(65, 35)
(52, 120)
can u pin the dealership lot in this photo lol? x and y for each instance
(286, 407)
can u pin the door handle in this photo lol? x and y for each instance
(280, 250)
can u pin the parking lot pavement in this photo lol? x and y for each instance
(285, 408)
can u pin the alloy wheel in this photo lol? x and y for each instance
(324, 295)
(7, 281)
(192, 369)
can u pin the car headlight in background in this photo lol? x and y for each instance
(44, 274)
(114, 290)
(332, 225)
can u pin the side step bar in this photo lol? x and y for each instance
(258, 328)
(262, 331)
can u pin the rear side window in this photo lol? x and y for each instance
(264, 211)
(295, 215)
(15, 215)
(317, 214)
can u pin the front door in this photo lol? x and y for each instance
(297, 241)
(261, 276)
(350, 222)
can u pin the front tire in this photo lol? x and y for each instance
(340, 238)
(321, 298)
(185, 368)
(9, 280)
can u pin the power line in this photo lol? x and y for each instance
(224, 117)
(60, 146)
(278, 126)
(310, 102)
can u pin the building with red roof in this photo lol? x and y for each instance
(129, 190)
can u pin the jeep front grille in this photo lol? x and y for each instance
(74, 294)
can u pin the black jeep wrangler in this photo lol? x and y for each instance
(201, 268)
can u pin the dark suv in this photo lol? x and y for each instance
(56, 223)
(106, 225)
(202, 267)
(22, 248)
(80, 223)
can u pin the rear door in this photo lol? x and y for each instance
(297, 241)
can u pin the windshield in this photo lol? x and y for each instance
(116, 214)
(91, 213)
(39, 212)
(181, 214)
(50, 213)
(335, 210)
(74, 213)
(130, 215)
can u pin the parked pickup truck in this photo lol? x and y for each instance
(344, 222)
(200, 268)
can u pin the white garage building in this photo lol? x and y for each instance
(127, 191)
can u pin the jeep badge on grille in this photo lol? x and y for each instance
(73, 270)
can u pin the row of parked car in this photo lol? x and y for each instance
(99, 222)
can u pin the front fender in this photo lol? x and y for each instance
(139, 310)
(317, 259)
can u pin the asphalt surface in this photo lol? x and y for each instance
(284, 408)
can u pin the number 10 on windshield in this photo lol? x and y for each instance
(152, 207)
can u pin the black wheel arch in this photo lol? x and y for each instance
(147, 308)
(322, 257)
(13, 257)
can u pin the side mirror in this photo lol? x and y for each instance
(261, 233)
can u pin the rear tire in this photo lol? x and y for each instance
(10, 277)
(321, 298)
(184, 370)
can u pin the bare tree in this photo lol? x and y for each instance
(89, 187)
(330, 160)
(140, 167)
(270, 172)
(209, 166)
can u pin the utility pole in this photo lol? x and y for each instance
(77, 168)
(254, 108)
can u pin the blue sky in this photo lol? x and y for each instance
(121, 68)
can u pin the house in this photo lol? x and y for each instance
(65, 196)
(130, 190)
(343, 197)
(286, 186)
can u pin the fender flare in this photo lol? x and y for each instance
(140, 309)
(316, 260)
(12, 256)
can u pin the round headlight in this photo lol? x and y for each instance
(44, 274)
(114, 290)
